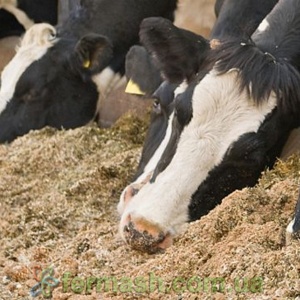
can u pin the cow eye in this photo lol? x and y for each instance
(156, 106)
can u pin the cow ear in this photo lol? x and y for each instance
(93, 52)
(178, 53)
(143, 75)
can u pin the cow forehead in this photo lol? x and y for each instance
(218, 102)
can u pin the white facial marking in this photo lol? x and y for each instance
(221, 114)
(34, 45)
(151, 165)
(263, 25)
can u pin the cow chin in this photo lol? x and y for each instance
(143, 235)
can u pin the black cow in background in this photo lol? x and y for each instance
(63, 71)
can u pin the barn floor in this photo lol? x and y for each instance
(58, 196)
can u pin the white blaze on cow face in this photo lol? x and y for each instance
(151, 165)
(34, 45)
(221, 114)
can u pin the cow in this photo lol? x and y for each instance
(229, 123)
(231, 22)
(63, 71)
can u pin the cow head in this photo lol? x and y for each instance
(174, 41)
(230, 122)
(49, 81)
(182, 56)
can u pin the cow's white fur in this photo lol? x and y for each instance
(33, 46)
(263, 25)
(41, 35)
(289, 228)
(221, 114)
(149, 168)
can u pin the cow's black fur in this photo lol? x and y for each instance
(140, 68)
(244, 21)
(173, 46)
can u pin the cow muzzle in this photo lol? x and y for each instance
(143, 235)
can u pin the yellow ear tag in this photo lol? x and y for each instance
(133, 88)
(86, 64)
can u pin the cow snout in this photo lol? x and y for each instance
(144, 236)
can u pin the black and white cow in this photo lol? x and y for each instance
(58, 74)
(231, 22)
(229, 123)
